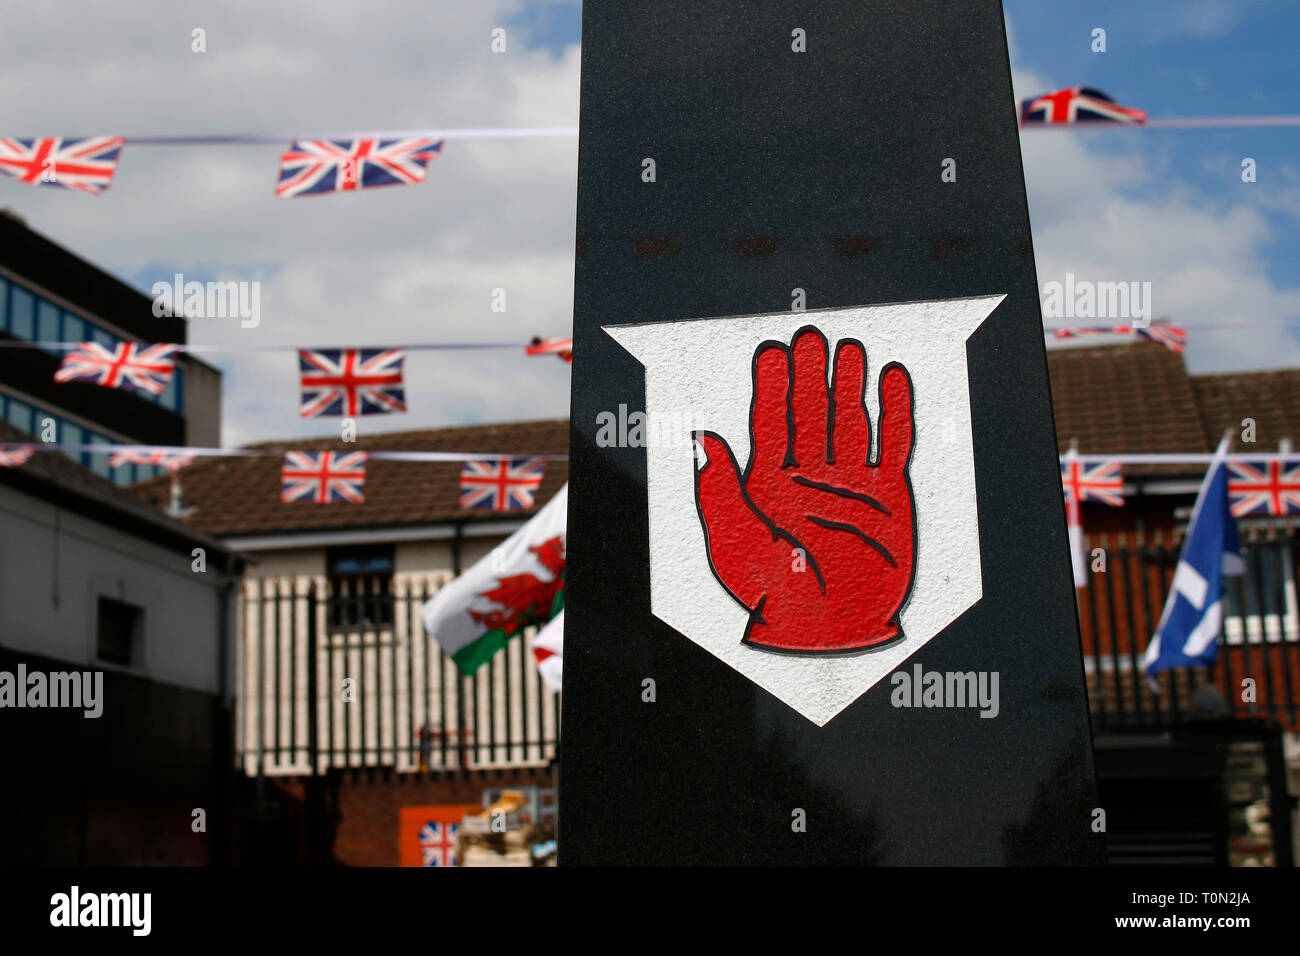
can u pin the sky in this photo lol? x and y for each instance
(420, 263)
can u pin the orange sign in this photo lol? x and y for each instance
(427, 835)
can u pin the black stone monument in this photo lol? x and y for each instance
(759, 180)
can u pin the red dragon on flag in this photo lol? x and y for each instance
(525, 599)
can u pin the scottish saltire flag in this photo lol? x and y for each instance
(86, 164)
(1077, 104)
(1104, 483)
(172, 461)
(143, 368)
(315, 166)
(351, 382)
(1172, 337)
(323, 476)
(1188, 632)
(11, 456)
(561, 347)
(438, 843)
(504, 484)
(1264, 487)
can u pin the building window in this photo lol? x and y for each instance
(19, 414)
(74, 329)
(22, 314)
(119, 633)
(361, 586)
(99, 460)
(47, 324)
(172, 397)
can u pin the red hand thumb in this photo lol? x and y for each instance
(743, 548)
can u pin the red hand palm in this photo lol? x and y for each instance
(816, 542)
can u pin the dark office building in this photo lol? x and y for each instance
(48, 294)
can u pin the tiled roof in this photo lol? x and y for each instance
(1130, 398)
(1135, 398)
(1271, 398)
(241, 495)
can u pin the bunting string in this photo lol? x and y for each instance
(1174, 458)
(245, 347)
(1185, 122)
(258, 139)
(412, 456)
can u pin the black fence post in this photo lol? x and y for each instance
(318, 838)
(312, 687)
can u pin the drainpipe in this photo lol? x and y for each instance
(223, 742)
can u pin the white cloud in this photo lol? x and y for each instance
(1202, 18)
(413, 263)
(1110, 209)
(419, 263)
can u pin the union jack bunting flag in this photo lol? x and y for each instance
(505, 484)
(86, 164)
(438, 844)
(172, 461)
(323, 476)
(561, 347)
(1264, 487)
(12, 456)
(1103, 482)
(1077, 104)
(1172, 337)
(1079, 482)
(144, 368)
(315, 166)
(351, 382)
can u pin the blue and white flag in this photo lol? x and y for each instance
(1188, 632)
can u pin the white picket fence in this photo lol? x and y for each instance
(386, 696)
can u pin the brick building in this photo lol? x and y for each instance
(1193, 774)
(1199, 766)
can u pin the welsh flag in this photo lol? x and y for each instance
(519, 584)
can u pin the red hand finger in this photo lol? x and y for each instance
(769, 424)
(742, 548)
(850, 427)
(895, 419)
(809, 398)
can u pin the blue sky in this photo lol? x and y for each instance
(1178, 58)
(1173, 58)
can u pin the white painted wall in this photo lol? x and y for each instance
(54, 565)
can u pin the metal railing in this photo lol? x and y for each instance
(1257, 672)
(342, 675)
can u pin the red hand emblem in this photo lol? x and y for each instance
(818, 543)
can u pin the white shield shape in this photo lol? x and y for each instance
(700, 377)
